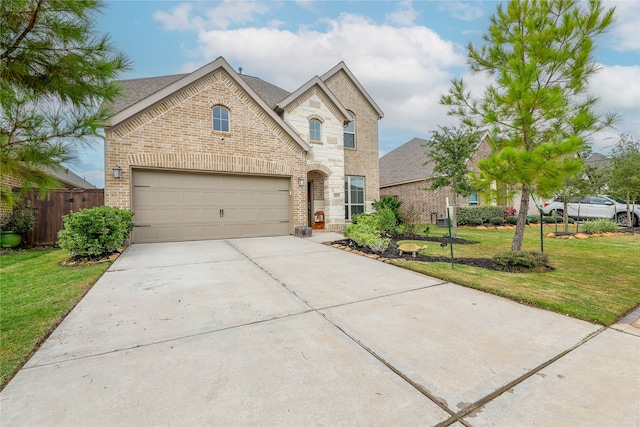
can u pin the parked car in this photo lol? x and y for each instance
(592, 207)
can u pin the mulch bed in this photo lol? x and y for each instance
(392, 252)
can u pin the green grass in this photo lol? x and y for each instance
(36, 293)
(595, 279)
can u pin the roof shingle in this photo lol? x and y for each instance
(406, 163)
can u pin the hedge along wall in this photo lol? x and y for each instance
(466, 214)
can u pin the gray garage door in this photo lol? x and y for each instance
(177, 206)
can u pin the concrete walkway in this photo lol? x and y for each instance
(287, 331)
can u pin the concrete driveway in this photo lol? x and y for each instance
(287, 331)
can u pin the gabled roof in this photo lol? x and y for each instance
(148, 92)
(136, 90)
(406, 164)
(598, 160)
(271, 94)
(343, 67)
(308, 85)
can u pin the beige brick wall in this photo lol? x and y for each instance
(363, 160)
(177, 134)
(428, 204)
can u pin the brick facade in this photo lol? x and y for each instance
(363, 160)
(175, 132)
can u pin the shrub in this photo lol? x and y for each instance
(20, 220)
(521, 260)
(513, 220)
(391, 203)
(497, 220)
(475, 221)
(600, 226)
(95, 232)
(365, 231)
(388, 222)
(483, 213)
(409, 218)
(534, 219)
(551, 219)
(510, 211)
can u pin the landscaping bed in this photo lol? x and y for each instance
(394, 253)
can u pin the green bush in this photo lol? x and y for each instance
(391, 203)
(483, 213)
(600, 226)
(475, 222)
(497, 220)
(521, 260)
(556, 219)
(365, 231)
(95, 232)
(20, 220)
(534, 219)
(388, 222)
(513, 220)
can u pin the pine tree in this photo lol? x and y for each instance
(55, 72)
(539, 56)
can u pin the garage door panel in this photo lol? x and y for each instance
(175, 206)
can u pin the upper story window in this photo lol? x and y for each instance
(220, 119)
(350, 132)
(314, 130)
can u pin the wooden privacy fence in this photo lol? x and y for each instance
(49, 212)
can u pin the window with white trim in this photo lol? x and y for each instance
(353, 196)
(220, 118)
(473, 198)
(350, 132)
(315, 130)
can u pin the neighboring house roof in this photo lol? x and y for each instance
(70, 179)
(343, 67)
(598, 160)
(156, 93)
(406, 164)
(308, 85)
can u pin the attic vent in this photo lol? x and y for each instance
(240, 70)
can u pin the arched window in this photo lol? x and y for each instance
(220, 119)
(350, 132)
(314, 130)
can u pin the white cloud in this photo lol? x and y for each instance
(624, 31)
(466, 11)
(404, 16)
(405, 69)
(222, 16)
(618, 90)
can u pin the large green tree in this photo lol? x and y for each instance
(538, 57)
(450, 149)
(624, 172)
(55, 73)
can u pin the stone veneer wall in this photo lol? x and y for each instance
(326, 155)
(176, 133)
(363, 160)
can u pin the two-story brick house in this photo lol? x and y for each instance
(219, 154)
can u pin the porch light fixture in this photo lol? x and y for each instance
(300, 181)
(117, 172)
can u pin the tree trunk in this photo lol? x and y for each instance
(516, 245)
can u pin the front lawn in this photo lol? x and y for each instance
(596, 279)
(36, 293)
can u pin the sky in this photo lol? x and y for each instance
(403, 53)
